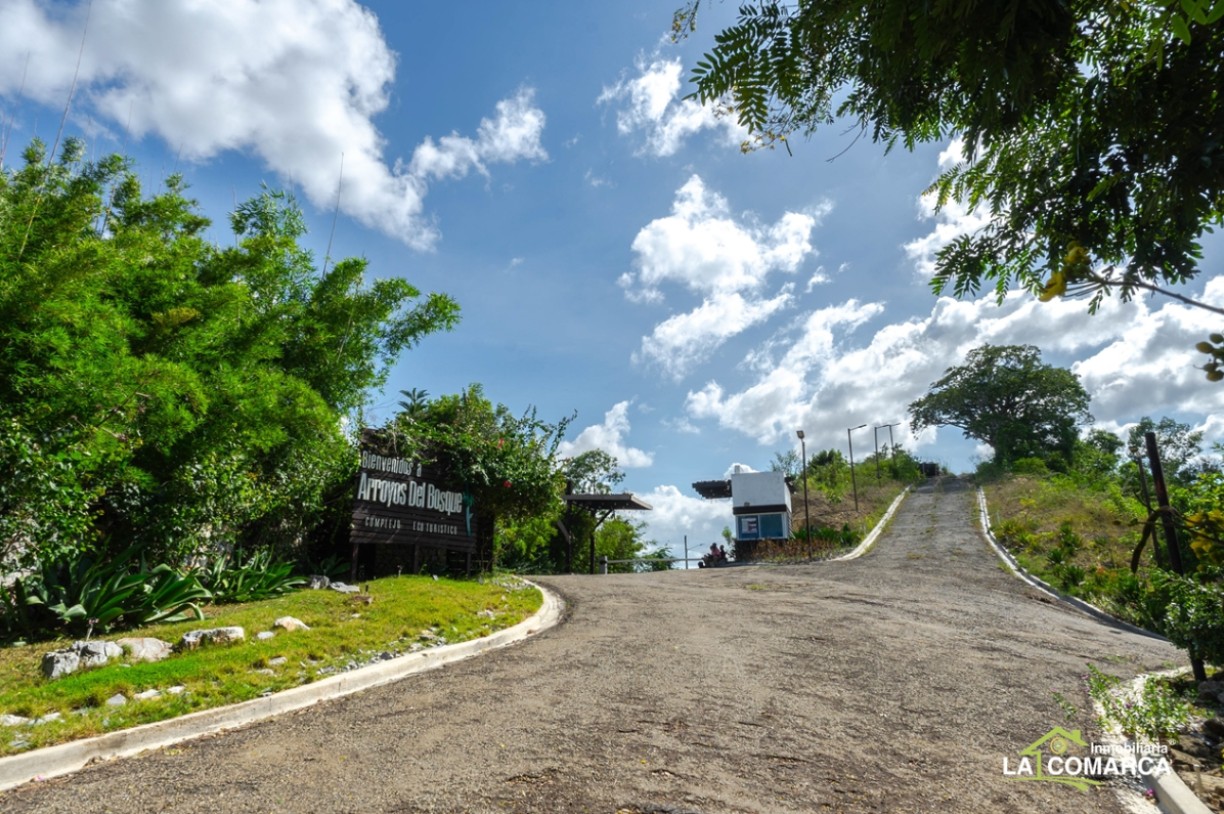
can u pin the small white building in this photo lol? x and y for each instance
(761, 503)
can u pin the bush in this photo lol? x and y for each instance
(1193, 615)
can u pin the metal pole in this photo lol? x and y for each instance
(853, 481)
(807, 523)
(875, 433)
(686, 552)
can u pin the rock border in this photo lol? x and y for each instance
(66, 758)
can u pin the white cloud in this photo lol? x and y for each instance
(1133, 359)
(952, 221)
(652, 104)
(675, 516)
(609, 437)
(680, 341)
(701, 248)
(296, 82)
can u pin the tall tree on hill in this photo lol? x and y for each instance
(1004, 396)
(1091, 130)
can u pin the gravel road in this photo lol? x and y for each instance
(897, 682)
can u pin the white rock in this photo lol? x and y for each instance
(290, 623)
(97, 653)
(46, 719)
(177, 689)
(147, 694)
(146, 648)
(217, 635)
(59, 663)
(116, 700)
(278, 661)
(264, 635)
(13, 720)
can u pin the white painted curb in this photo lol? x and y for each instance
(1173, 796)
(1045, 587)
(868, 541)
(66, 758)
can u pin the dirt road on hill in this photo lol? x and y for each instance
(894, 683)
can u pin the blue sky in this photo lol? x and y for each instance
(613, 250)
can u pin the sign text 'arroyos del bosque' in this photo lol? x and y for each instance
(402, 501)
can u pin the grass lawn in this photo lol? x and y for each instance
(1078, 539)
(404, 614)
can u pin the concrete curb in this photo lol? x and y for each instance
(1173, 796)
(1045, 587)
(868, 541)
(66, 758)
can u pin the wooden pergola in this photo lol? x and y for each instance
(601, 507)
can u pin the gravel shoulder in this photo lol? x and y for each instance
(896, 682)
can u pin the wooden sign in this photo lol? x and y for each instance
(400, 501)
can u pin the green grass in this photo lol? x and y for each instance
(1076, 538)
(406, 614)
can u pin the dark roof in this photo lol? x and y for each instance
(608, 502)
(710, 489)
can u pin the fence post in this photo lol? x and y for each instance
(603, 564)
(1175, 558)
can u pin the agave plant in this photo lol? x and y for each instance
(172, 597)
(260, 577)
(94, 593)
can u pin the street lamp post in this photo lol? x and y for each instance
(807, 526)
(875, 437)
(853, 481)
(891, 446)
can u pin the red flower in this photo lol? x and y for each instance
(506, 484)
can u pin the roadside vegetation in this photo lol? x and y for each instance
(179, 418)
(391, 617)
(1094, 530)
(179, 425)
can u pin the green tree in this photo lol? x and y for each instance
(180, 395)
(507, 462)
(1179, 444)
(1004, 396)
(787, 463)
(1090, 129)
(1096, 456)
(592, 472)
(621, 539)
